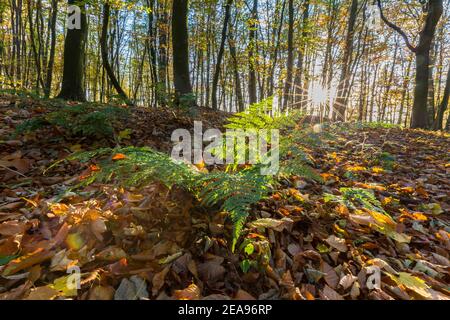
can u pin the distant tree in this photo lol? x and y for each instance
(344, 81)
(221, 53)
(443, 106)
(290, 57)
(104, 53)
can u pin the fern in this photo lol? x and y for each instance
(356, 197)
(257, 116)
(237, 191)
(138, 167)
(87, 120)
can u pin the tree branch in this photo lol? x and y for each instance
(396, 28)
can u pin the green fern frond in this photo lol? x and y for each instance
(257, 116)
(140, 166)
(356, 197)
(236, 192)
(87, 120)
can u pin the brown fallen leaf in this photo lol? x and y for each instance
(11, 228)
(158, 280)
(101, 293)
(329, 294)
(211, 271)
(42, 293)
(10, 246)
(111, 254)
(192, 292)
(27, 261)
(331, 277)
(243, 295)
(277, 225)
(337, 243)
(347, 281)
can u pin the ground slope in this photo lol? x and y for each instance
(384, 203)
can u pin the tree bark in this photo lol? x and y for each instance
(251, 54)
(419, 117)
(443, 106)
(51, 59)
(237, 79)
(220, 54)
(72, 87)
(290, 57)
(180, 44)
(340, 103)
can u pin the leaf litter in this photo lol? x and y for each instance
(307, 241)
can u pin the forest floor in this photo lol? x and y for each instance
(137, 243)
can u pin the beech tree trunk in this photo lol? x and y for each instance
(251, 54)
(419, 117)
(73, 87)
(180, 44)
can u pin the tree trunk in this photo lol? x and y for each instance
(51, 60)
(104, 50)
(340, 103)
(180, 44)
(419, 117)
(290, 58)
(33, 47)
(443, 106)
(251, 54)
(220, 54)
(237, 79)
(298, 90)
(74, 56)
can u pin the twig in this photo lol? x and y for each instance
(16, 172)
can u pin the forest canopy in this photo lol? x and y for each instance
(373, 61)
(224, 150)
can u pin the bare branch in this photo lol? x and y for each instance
(396, 28)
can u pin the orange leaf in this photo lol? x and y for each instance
(119, 156)
(190, 293)
(94, 167)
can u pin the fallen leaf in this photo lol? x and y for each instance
(330, 294)
(101, 293)
(277, 225)
(190, 293)
(158, 280)
(337, 243)
(42, 293)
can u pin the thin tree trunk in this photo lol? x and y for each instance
(340, 103)
(237, 79)
(443, 106)
(290, 58)
(51, 60)
(220, 54)
(104, 50)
